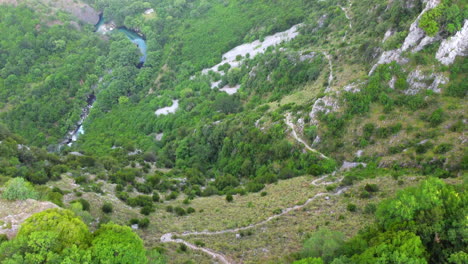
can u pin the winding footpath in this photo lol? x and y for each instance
(347, 15)
(175, 238)
(300, 140)
(330, 67)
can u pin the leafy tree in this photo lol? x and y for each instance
(459, 258)
(69, 229)
(323, 243)
(428, 21)
(52, 236)
(433, 211)
(309, 261)
(117, 244)
(19, 189)
(390, 247)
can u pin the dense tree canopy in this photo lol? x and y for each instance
(59, 236)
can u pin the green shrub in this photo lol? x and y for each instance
(254, 186)
(310, 132)
(19, 189)
(229, 198)
(179, 211)
(370, 208)
(351, 207)
(140, 200)
(57, 189)
(56, 198)
(368, 130)
(199, 243)
(144, 223)
(147, 210)
(443, 148)
(277, 211)
(156, 197)
(423, 148)
(349, 179)
(331, 187)
(183, 247)
(85, 204)
(107, 208)
(365, 194)
(81, 179)
(3, 238)
(123, 196)
(169, 209)
(437, 117)
(263, 194)
(371, 187)
(190, 210)
(428, 21)
(323, 243)
(119, 188)
(172, 196)
(458, 126)
(143, 188)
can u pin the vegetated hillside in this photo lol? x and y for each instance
(378, 86)
(79, 10)
(47, 73)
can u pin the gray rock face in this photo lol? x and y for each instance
(359, 153)
(388, 34)
(415, 36)
(455, 46)
(418, 81)
(392, 82)
(389, 56)
(415, 33)
(353, 87)
(325, 104)
(426, 41)
(351, 165)
(74, 153)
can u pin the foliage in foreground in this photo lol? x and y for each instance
(424, 224)
(58, 236)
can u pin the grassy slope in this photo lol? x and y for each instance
(266, 243)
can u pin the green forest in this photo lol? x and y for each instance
(353, 106)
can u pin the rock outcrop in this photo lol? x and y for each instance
(325, 105)
(416, 38)
(14, 213)
(455, 46)
(418, 81)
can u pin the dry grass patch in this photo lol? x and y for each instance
(271, 242)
